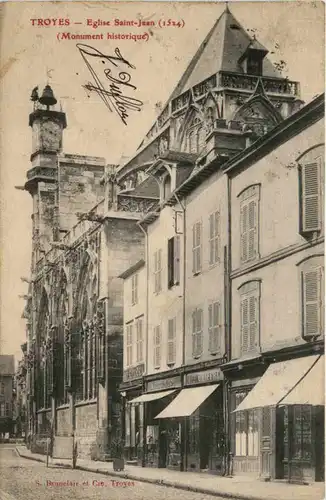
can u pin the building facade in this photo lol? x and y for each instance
(7, 372)
(239, 165)
(84, 235)
(174, 288)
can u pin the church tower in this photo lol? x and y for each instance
(42, 178)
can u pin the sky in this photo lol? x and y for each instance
(32, 55)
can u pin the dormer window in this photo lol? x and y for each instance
(252, 58)
(254, 64)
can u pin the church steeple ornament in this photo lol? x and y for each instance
(47, 98)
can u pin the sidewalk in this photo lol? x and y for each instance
(238, 487)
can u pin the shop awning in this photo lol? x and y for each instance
(311, 389)
(277, 382)
(145, 398)
(187, 401)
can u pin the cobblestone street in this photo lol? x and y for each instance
(23, 479)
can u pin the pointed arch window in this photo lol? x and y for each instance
(195, 139)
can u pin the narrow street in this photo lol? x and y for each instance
(23, 479)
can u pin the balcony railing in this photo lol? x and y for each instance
(240, 81)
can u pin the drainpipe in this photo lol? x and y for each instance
(183, 281)
(228, 330)
(146, 345)
(184, 423)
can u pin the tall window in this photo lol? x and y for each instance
(173, 261)
(157, 346)
(2, 388)
(158, 271)
(134, 289)
(245, 438)
(171, 355)
(129, 342)
(195, 138)
(197, 333)
(312, 283)
(249, 223)
(250, 316)
(140, 340)
(214, 229)
(2, 409)
(197, 247)
(214, 327)
(311, 206)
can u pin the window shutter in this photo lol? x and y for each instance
(198, 247)
(136, 289)
(252, 322)
(312, 302)
(217, 326)
(194, 328)
(155, 272)
(194, 248)
(211, 239)
(217, 235)
(170, 262)
(210, 328)
(139, 327)
(159, 264)
(311, 197)
(177, 260)
(244, 324)
(157, 346)
(244, 232)
(171, 341)
(198, 332)
(252, 229)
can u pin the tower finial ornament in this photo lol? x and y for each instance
(47, 97)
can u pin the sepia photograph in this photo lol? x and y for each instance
(162, 250)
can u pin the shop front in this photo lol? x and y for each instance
(279, 423)
(196, 426)
(131, 388)
(157, 439)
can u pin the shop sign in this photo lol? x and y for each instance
(164, 383)
(133, 372)
(204, 377)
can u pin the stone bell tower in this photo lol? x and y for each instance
(42, 178)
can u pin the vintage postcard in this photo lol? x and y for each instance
(162, 250)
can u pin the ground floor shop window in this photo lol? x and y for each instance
(245, 428)
(298, 433)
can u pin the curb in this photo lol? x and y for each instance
(158, 482)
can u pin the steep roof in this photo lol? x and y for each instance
(7, 364)
(220, 51)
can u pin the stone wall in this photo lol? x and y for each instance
(86, 431)
(63, 422)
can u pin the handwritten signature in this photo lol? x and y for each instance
(112, 96)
